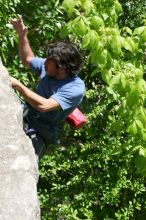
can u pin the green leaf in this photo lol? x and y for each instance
(9, 26)
(94, 72)
(123, 82)
(132, 128)
(69, 6)
(133, 96)
(135, 148)
(99, 57)
(86, 40)
(116, 44)
(141, 165)
(116, 64)
(139, 123)
(12, 41)
(96, 22)
(66, 29)
(118, 126)
(128, 44)
(141, 86)
(106, 76)
(138, 73)
(131, 43)
(94, 39)
(141, 161)
(144, 34)
(118, 7)
(110, 90)
(90, 40)
(105, 16)
(143, 132)
(142, 114)
(142, 151)
(125, 44)
(128, 30)
(115, 80)
(88, 6)
(79, 26)
(117, 151)
(139, 30)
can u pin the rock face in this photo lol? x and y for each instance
(18, 164)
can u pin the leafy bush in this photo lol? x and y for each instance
(97, 175)
(92, 174)
(133, 13)
(99, 171)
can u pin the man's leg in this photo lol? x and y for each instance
(38, 144)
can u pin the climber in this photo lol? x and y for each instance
(59, 92)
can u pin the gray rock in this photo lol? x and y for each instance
(18, 162)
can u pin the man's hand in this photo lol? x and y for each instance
(19, 26)
(14, 83)
(25, 51)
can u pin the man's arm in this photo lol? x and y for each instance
(38, 102)
(25, 51)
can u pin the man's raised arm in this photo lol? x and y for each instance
(25, 51)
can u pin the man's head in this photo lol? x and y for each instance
(63, 59)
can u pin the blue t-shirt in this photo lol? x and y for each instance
(67, 92)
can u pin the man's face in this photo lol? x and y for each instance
(53, 70)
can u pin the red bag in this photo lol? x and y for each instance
(76, 119)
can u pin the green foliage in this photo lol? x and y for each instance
(6, 39)
(92, 176)
(117, 56)
(97, 172)
(133, 13)
(42, 18)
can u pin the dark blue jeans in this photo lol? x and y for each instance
(37, 142)
(41, 134)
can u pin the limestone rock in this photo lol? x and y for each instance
(18, 164)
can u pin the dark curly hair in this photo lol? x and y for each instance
(66, 56)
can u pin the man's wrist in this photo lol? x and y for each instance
(23, 34)
(19, 86)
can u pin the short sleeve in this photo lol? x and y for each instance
(69, 97)
(37, 65)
